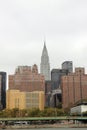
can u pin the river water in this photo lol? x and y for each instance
(52, 129)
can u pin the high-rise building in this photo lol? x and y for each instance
(56, 75)
(0, 93)
(68, 65)
(24, 100)
(56, 95)
(74, 88)
(45, 65)
(53, 95)
(27, 78)
(2, 90)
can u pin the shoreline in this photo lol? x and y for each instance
(44, 126)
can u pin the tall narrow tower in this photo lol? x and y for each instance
(45, 66)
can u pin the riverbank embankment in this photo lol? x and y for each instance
(45, 126)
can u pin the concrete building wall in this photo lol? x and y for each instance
(41, 100)
(15, 99)
(24, 100)
(78, 109)
(35, 99)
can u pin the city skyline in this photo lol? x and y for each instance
(24, 24)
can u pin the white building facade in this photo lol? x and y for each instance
(78, 109)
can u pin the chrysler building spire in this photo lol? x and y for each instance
(45, 66)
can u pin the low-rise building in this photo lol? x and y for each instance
(78, 110)
(24, 100)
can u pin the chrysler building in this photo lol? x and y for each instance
(45, 66)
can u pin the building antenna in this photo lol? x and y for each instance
(44, 40)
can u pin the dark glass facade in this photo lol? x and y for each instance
(68, 65)
(3, 89)
(56, 77)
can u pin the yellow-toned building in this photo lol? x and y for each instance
(24, 100)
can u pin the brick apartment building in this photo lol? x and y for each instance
(27, 79)
(74, 88)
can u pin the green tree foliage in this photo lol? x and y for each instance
(34, 112)
(48, 112)
(15, 112)
(85, 113)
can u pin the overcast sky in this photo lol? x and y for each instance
(25, 23)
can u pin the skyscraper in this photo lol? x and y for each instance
(45, 66)
(68, 65)
(2, 90)
(56, 75)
